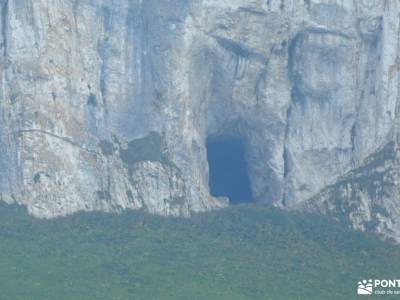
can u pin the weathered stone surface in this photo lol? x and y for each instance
(366, 198)
(107, 105)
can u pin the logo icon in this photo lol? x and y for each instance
(365, 287)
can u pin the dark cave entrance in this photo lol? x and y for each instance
(228, 169)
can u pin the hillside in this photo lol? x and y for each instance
(243, 252)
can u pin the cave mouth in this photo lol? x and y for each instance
(228, 175)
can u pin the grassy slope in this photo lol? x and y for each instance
(244, 252)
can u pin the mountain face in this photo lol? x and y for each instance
(108, 105)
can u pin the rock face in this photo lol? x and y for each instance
(366, 198)
(107, 105)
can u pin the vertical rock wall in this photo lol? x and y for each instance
(107, 105)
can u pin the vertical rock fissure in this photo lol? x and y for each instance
(397, 113)
(4, 17)
(285, 155)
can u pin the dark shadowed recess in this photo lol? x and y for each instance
(228, 169)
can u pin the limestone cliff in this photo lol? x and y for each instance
(107, 105)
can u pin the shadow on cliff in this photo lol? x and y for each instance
(228, 170)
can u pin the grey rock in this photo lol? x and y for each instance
(365, 198)
(107, 105)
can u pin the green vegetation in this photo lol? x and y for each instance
(150, 148)
(145, 149)
(243, 252)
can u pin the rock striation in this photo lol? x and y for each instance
(107, 105)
